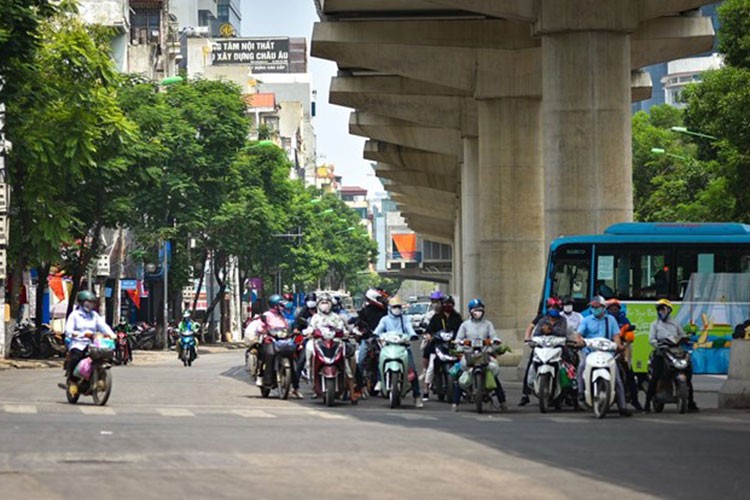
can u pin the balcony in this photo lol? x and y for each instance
(111, 13)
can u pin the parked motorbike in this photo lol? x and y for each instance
(329, 370)
(672, 388)
(23, 342)
(93, 375)
(600, 375)
(478, 382)
(394, 366)
(283, 346)
(173, 334)
(144, 336)
(445, 358)
(123, 344)
(187, 348)
(553, 378)
(53, 343)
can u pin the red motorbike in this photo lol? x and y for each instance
(329, 366)
(123, 349)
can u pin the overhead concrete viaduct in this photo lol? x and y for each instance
(552, 81)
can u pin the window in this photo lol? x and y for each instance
(709, 260)
(635, 272)
(571, 267)
(145, 25)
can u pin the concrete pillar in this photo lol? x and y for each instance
(457, 254)
(587, 128)
(511, 208)
(469, 203)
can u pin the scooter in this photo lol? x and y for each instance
(394, 366)
(52, 344)
(445, 358)
(329, 370)
(187, 348)
(600, 375)
(478, 382)
(672, 388)
(280, 346)
(145, 337)
(23, 343)
(124, 349)
(92, 375)
(548, 377)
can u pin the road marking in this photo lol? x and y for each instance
(253, 414)
(658, 421)
(568, 420)
(411, 416)
(105, 433)
(26, 409)
(723, 419)
(96, 410)
(491, 418)
(175, 412)
(326, 415)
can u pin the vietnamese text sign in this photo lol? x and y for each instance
(264, 55)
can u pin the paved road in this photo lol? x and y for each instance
(204, 432)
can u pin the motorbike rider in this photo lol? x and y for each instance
(394, 322)
(445, 319)
(572, 317)
(665, 328)
(479, 327)
(289, 311)
(274, 319)
(598, 325)
(325, 317)
(614, 309)
(300, 324)
(189, 327)
(83, 320)
(550, 323)
(368, 319)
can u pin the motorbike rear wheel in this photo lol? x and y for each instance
(682, 396)
(543, 391)
(479, 391)
(330, 392)
(601, 402)
(101, 395)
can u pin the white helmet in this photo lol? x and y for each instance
(372, 295)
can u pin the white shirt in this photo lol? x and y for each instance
(81, 322)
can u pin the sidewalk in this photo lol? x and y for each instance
(139, 357)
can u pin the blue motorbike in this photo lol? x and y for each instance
(187, 348)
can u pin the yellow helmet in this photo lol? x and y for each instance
(665, 303)
(395, 302)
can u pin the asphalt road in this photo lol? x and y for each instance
(204, 432)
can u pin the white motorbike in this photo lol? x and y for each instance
(547, 361)
(600, 375)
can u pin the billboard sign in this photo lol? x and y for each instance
(263, 55)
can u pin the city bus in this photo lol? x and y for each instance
(704, 269)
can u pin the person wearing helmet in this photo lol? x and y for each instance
(307, 312)
(445, 319)
(572, 317)
(615, 309)
(665, 328)
(601, 325)
(82, 321)
(368, 319)
(395, 322)
(436, 305)
(289, 311)
(186, 327)
(479, 327)
(273, 319)
(552, 322)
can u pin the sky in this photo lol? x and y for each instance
(335, 145)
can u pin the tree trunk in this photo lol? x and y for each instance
(200, 281)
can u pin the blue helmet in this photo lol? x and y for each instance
(275, 300)
(476, 304)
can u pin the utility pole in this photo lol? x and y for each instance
(4, 205)
(165, 273)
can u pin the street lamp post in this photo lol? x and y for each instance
(663, 152)
(685, 130)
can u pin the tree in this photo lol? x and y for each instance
(734, 35)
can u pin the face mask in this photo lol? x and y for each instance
(477, 314)
(87, 306)
(568, 309)
(553, 313)
(311, 304)
(396, 311)
(448, 308)
(598, 312)
(324, 307)
(664, 314)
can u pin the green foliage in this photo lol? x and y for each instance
(734, 35)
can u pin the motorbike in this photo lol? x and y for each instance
(394, 366)
(553, 378)
(284, 347)
(329, 359)
(173, 334)
(478, 382)
(187, 348)
(23, 342)
(672, 388)
(93, 375)
(145, 337)
(53, 343)
(124, 349)
(445, 358)
(369, 365)
(600, 375)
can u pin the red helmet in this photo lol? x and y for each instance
(554, 302)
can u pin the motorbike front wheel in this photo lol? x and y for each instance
(479, 390)
(543, 391)
(330, 394)
(601, 402)
(71, 399)
(101, 385)
(682, 396)
(395, 394)
(285, 379)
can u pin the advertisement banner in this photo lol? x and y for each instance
(263, 55)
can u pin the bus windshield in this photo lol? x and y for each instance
(571, 269)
